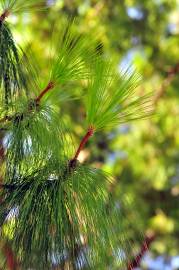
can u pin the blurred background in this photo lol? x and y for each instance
(142, 155)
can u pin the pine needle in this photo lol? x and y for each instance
(62, 215)
(33, 136)
(112, 98)
(16, 6)
(11, 77)
(73, 54)
(51, 210)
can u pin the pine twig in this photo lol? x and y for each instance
(47, 88)
(83, 142)
(71, 165)
(35, 102)
(85, 139)
(2, 151)
(144, 248)
(9, 255)
(2, 155)
(4, 15)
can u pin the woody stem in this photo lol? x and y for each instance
(83, 142)
(4, 15)
(47, 88)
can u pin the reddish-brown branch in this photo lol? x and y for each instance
(47, 88)
(2, 151)
(85, 139)
(144, 248)
(1, 186)
(37, 100)
(4, 15)
(2, 155)
(10, 259)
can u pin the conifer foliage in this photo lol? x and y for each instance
(55, 211)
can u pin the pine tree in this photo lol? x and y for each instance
(54, 210)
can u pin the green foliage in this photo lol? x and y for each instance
(112, 99)
(51, 205)
(53, 216)
(16, 6)
(143, 156)
(72, 53)
(10, 69)
(42, 126)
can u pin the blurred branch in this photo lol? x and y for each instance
(47, 89)
(83, 142)
(2, 154)
(4, 15)
(10, 258)
(167, 81)
(144, 248)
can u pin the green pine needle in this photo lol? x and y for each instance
(73, 54)
(16, 6)
(11, 75)
(62, 214)
(112, 98)
(33, 136)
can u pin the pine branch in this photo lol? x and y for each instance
(18, 6)
(47, 88)
(58, 202)
(31, 105)
(2, 150)
(11, 75)
(71, 165)
(83, 142)
(112, 99)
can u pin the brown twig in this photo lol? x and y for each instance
(71, 165)
(2, 155)
(85, 139)
(2, 151)
(47, 88)
(144, 248)
(12, 264)
(31, 104)
(4, 15)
